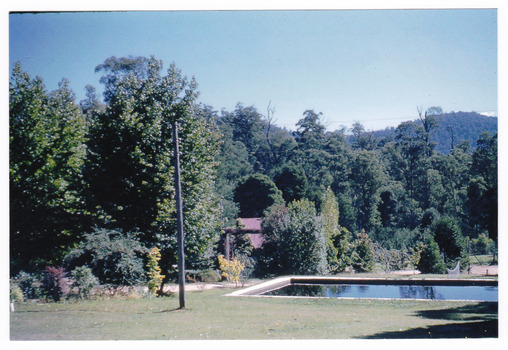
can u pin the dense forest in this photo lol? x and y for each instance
(454, 127)
(93, 180)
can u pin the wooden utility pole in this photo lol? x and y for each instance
(179, 220)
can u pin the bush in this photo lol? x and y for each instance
(114, 257)
(209, 276)
(448, 236)
(391, 259)
(16, 295)
(84, 281)
(363, 253)
(231, 269)
(55, 283)
(482, 245)
(154, 271)
(430, 258)
(29, 285)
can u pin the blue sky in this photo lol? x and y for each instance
(372, 66)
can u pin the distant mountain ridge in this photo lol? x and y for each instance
(464, 126)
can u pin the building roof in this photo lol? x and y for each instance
(256, 239)
(249, 225)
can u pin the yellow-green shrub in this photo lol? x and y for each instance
(154, 271)
(232, 270)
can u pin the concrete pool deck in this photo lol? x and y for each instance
(265, 287)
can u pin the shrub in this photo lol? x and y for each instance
(84, 280)
(209, 275)
(16, 295)
(232, 269)
(448, 236)
(482, 245)
(154, 271)
(55, 282)
(391, 259)
(430, 258)
(363, 253)
(115, 257)
(29, 285)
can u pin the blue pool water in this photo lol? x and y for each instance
(438, 292)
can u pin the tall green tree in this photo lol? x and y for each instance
(330, 219)
(311, 154)
(310, 132)
(362, 139)
(448, 236)
(481, 203)
(338, 239)
(255, 194)
(246, 126)
(292, 182)
(46, 156)
(131, 170)
(366, 180)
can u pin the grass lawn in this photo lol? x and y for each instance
(481, 259)
(210, 315)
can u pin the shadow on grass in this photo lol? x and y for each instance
(172, 310)
(476, 321)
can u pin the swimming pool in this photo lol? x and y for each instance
(388, 291)
(376, 288)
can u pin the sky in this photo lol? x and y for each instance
(376, 67)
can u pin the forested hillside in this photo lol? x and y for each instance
(383, 185)
(94, 180)
(454, 128)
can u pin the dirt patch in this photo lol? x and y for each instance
(484, 270)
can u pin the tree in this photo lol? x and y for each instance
(412, 158)
(338, 239)
(46, 156)
(294, 240)
(363, 253)
(131, 168)
(255, 194)
(362, 140)
(430, 259)
(310, 133)
(365, 180)
(449, 238)
(330, 219)
(387, 208)
(246, 126)
(484, 171)
(429, 123)
(292, 182)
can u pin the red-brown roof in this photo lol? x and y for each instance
(251, 227)
(256, 239)
(251, 224)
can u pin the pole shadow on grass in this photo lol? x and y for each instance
(169, 310)
(477, 321)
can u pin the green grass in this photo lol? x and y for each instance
(481, 259)
(211, 315)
